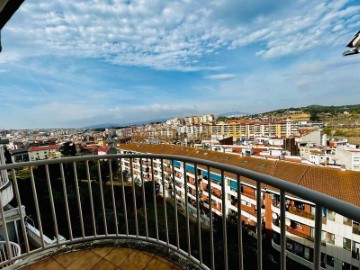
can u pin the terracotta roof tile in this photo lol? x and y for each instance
(44, 147)
(343, 185)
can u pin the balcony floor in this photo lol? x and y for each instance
(104, 259)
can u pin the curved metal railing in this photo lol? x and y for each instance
(8, 255)
(106, 197)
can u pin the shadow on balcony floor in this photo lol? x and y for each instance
(108, 258)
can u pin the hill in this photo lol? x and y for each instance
(320, 109)
(319, 112)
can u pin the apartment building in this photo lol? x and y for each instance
(348, 157)
(193, 130)
(251, 130)
(340, 235)
(44, 152)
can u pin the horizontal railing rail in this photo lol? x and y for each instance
(98, 208)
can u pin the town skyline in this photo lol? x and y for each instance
(280, 113)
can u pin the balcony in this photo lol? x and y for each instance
(82, 208)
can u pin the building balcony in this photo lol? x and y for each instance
(83, 212)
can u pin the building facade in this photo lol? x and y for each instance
(44, 152)
(252, 130)
(340, 235)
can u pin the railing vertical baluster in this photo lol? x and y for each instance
(239, 224)
(211, 222)
(154, 198)
(91, 198)
(37, 208)
(144, 198)
(317, 244)
(224, 219)
(79, 200)
(259, 225)
(124, 199)
(52, 203)
(66, 201)
(134, 198)
(5, 231)
(282, 230)
(102, 197)
(176, 212)
(187, 212)
(164, 199)
(113, 197)
(22, 215)
(198, 213)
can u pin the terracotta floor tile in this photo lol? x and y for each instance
(136, 261)
(155, 264)
(104, 259)
(104, 265)
(118, 255)
(102, 251)
(68, 258)
(54, 265)
(85, 262)
(161, 259)
(39, 265)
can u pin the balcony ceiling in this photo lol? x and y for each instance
(7, 9)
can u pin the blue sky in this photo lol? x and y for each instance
(77, 63)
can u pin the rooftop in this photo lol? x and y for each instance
(45, 147)
(322, 179)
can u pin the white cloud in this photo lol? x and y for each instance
(224, 76)
(172, 35)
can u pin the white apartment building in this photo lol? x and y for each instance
(44, 152)
(348, 158)
(252, 130)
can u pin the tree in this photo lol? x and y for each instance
(68, 149)
(7, 156)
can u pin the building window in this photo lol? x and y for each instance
(331, 215)
(345, 266)
(330, 260)
(323, 260)
(356, 250)
(308, 254)
(356, 228)
(347, 221)
(347, 244)
(330, 238)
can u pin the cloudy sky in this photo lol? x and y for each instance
(76, 63)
